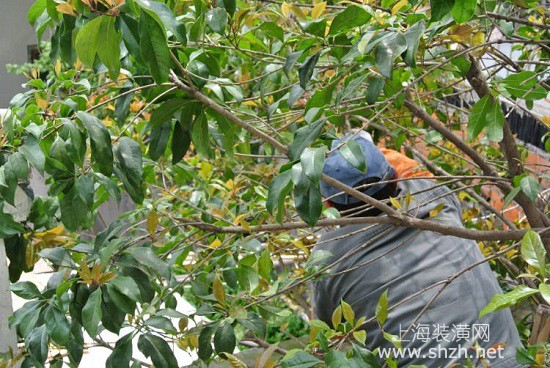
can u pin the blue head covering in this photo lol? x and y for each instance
(337, 167)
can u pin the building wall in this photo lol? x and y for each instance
(15, 36)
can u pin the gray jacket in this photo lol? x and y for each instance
(406, 261)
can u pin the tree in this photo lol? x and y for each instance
(215, 118)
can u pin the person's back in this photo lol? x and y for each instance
(413, 266)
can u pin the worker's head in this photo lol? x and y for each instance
(339, 168)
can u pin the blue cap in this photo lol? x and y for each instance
(337, 167)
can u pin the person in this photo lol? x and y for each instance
(437, 322)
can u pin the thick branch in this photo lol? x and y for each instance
(510, 150)
(411, 222)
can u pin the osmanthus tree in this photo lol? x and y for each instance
(215, 118)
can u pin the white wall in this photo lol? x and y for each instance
(15, 36)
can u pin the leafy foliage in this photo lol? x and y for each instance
(205, 114)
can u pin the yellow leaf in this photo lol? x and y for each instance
(234, 361)
(105, 278)
(399, 6)
(206, 170)
(219, 291)
(65, 8)
(58, 66)
(546, 120)
(395, 203)
(182, 343)
(360, 336)
(96, 271)
(40, 102)
(437, 210)
(84, 272)
(477, 40)
(183, 323)
(348, 312)
(152, 222)
(318, 9)
(460, 32)
(194, 341)
(286, 9)
(216, 243)
(337, 317)
(239, 218)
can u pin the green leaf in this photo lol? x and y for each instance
(87, 41)
(353, 153)
(440, 8)
(307, 197)
(75, 346)
(291, 60)
(387, 51)
(394, 339)
(413, 36)
(158, 350)
(353, 16)
(161, 126)
(92, 314)
(486, 113)
(205, 343)
(265, 265)
(77, 203)
(154, 46)
(279, 188)
(159, 140)
(122, 302)
(100, 142)
(510, 197)
(122, 353)
(109, 52)
(127, 287)
(502, 301)
(26, 290)
(304, 137)
(161, 323)
(57, 324)
(313, 161)
(224, 339)
(299, 359)
(217, 20)
(530, 186)
(545, 291)
(524, 85)
(533, 251)
(36, 343)
(348, 313)
(201, 136)
(8, 226)
(181, 140)
(375, 86)
(147, 257)
(129, 168)
(164, 13)
(229, 5)
(33, 153)
(305, 71)
(527, 356)
(35, 11)
(464, 10)
(382, 308)
(58, 256)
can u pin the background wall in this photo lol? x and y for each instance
(16, 36)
